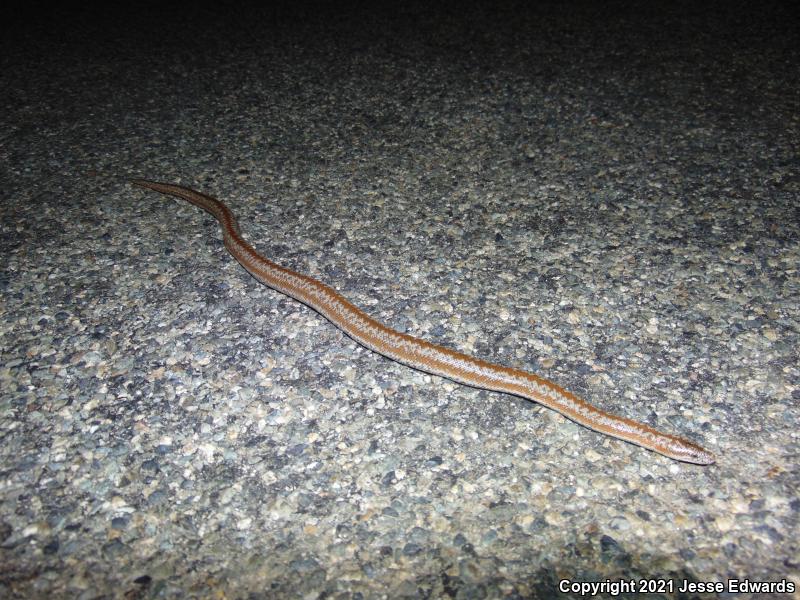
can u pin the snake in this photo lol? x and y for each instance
(423, 355)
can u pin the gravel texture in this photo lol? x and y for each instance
(605, 194)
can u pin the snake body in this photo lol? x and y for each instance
(425, 356)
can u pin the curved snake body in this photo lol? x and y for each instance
(423, 355)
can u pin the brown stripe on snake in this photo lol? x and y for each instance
(423, 355)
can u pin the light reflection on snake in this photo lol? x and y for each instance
(426, 356)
